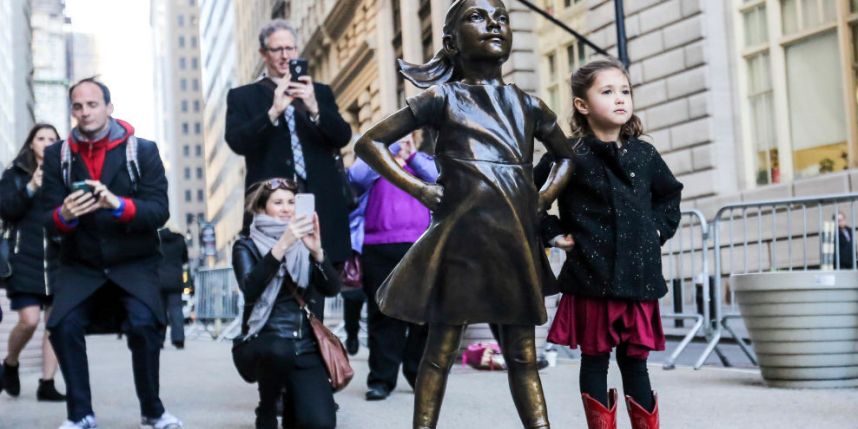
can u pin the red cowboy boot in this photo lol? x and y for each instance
(599, 417)
(640, 417)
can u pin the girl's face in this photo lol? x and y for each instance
(482, 31)
(43, 138)
(281, 205)
(609, 101)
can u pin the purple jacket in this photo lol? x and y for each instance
(385, 213)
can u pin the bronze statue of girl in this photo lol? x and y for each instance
(481, 259)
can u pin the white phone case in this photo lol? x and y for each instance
(305, 204)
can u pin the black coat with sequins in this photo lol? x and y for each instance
(620, 206)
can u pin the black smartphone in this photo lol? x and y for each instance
(297, 68)
(81, 186)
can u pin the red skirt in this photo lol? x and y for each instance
(597, 325)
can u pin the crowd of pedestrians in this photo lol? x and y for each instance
(442, 240)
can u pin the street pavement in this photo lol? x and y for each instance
(200, 385)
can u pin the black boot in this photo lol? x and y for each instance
(266, 419)
(11, 381)
(48, 392)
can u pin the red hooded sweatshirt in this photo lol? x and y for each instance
(93, 153)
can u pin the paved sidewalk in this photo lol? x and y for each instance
(200, 386)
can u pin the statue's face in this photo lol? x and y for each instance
(482, 31)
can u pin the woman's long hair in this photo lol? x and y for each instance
(582, 80)
(442, 67)
(26, 157)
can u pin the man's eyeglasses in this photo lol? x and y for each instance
(278, 183)
(281, 50)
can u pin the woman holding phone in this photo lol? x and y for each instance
(28, 290)
(280, 257)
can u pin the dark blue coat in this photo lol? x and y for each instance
(101, 249)
(620, 206)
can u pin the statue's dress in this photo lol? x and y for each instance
(481, 259)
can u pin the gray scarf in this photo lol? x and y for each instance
(265, 231)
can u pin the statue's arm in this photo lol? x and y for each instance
(372, 148)
(561, 172)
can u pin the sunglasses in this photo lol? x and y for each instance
(278, 183)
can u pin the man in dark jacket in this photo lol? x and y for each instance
(174, 257)
(107, 275)
(845, 258)
(293, 129)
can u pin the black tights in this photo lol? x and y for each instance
(594, 377)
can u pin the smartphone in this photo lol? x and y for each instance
(297, 68)
(81, 186)
(305, 204)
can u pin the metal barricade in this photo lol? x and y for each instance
(216, 299)
(686, 269)
(760, 236)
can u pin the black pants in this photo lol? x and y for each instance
(352, 304)
(144, 340)
(173, 301)
(311, 399)
(391, 341)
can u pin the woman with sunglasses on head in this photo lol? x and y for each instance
(282, 256)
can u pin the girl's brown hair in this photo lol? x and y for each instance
(261, 191)
(26, 157)
(582, 80)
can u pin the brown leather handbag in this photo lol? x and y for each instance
(340, 372)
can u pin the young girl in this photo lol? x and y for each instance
(621, 204)
(480, 259)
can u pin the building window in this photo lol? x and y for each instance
(188, 195)
(187, 172)
(192, 2)
(196, 105)
(195, 84)
(186, 128)
(181, 41)
(198, 151)
(186, 150)
(200, 196)
(796, 76)
(425, 12)
(180, 20)
(199, 172)
(553, 86)
(195, 63)
(189, 217)
(193, 41)
(183, 63)
(183, 84)
(198, 128)
(184, 105)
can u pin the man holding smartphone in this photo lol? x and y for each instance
(105, 195)
(286, 125)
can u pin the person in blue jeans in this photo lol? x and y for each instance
(393, 221)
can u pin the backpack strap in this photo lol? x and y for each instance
(65, 162)
(131, 163)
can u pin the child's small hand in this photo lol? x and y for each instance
(563, 242)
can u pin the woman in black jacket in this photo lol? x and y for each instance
(28, 292)
(282, 256)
